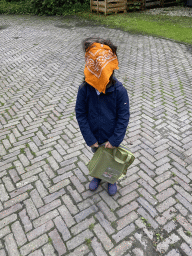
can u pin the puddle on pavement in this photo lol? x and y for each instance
(16, 37)
(64, 26)
(71, 21)
(4, 27)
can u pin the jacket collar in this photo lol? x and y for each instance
(111, 88)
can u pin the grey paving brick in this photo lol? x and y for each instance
(121, 248)
(170, 226)
(14, 175)
(77, 184)
(3, 194)
(79, 239)
(123, 233)
(48, 250)
(57, 242)
(105, 240)
(127, 189)
(15, 200)
(50, 206)
(25, 220)
(31, 173)
(104, 223)
(70, 205)
(48, 171)
(36, 253)
(36, 198)
(4, 231)
(40, 230)
(83, 214)
(182, 209)
(163, 246)
(109, 200)
(31, 209)
(43, 219)
(35, 244)
(147, 206)
(183, 201)
(41, 189)
(184, 222)
(11, 245)
(97, 247)
(147, 186)
(58, 186)
(26, 181)
(186, 249)
(165, 194)
(2, 253)
(76, 196)
(18, 233)
(128, 198)
(107, 211)
(61, 226)
(145, 215)
(69, 220)
(129, 218)
(129, 179)
(81, 250)
(163, 177)
(76, 229)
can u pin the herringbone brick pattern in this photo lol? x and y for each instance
(46, 207)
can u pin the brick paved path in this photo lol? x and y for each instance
(45, 205)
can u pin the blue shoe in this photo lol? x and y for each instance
(112, 189)
(94, 184)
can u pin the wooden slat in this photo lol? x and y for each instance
(130, 2)
(133, 2)
(102, 4)
(116, 5)
(99, 3)
(117, 1)
(108, 10)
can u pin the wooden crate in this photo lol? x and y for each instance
(132, 3)
(168, 2)
(108, 6)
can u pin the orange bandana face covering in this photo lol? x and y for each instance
(100, 62)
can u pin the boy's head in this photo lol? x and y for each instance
(101, 60)
(86, 43)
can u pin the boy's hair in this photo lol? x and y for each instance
(86, 43)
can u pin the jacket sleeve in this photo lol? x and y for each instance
(81, 116)
(122, 118)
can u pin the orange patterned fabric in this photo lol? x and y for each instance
(100, 62)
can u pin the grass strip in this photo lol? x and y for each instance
(170, 27)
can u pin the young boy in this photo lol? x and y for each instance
(102, 105)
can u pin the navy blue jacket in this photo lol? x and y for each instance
(103, 117)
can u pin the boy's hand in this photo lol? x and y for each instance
(95, 145)
(108, 145)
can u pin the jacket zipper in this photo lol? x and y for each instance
(99, 117)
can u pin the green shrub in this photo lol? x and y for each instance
(56, 7)
(22, 7)
(43, 7)
(9, 1)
